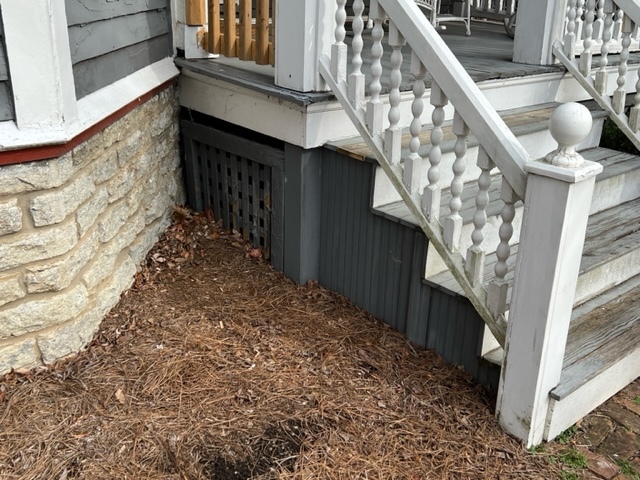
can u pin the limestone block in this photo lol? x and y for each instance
(105, 167)
(10, 289)
(70, 337)
(88, 213)
(32, 176)
(35, 315)
(10, 217)
(131, 147)
(122, 279)
(121, 184)
(156, 207)
(144, 164)
(89, 151)
(53, 207)
(56, 275)
(162, 121)
(21, 354)
(112, 220)
(40, 244)
(145, 241)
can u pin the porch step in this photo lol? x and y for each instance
(602, 355)
(619, 182)
(529, 124)
(611, 254)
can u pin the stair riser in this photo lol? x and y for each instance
(602, 278)
(564, 413)
(616, 190)
(537, 142)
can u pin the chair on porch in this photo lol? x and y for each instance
(433, 9)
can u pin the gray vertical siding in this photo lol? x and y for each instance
(378, 264)
(6, 102)
(112, 39)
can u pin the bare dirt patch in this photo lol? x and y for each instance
(214, 366)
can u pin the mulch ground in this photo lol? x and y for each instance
(214, 366)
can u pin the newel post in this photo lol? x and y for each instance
(558, 198)
(304, 31)
(539, 24)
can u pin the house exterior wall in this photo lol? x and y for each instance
(73, 230)
(6, 105)
(99, 55)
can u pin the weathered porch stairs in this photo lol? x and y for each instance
(548, 250)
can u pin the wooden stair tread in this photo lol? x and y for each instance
(520, 121)
(602, 337)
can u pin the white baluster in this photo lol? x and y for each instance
(393, 135)
(498, 289)
(585, 56)
(431, 195)
(374, 106)
(339, 48)
(475, 254)
(570, 36)
(413, 162)
(599, 21)
(356, 77)
(579, 22)
(617, 25)
(602, 75)
(620, 95)
(453, 222)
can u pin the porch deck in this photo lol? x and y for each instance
(485, 55)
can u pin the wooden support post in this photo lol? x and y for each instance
(554, 222)
(195, 12)
(540, 24)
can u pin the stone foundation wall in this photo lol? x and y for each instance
(74, 229)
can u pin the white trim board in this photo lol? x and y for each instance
(91, 109)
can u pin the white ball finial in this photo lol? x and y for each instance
(569, 124)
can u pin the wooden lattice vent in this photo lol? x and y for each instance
(244, 29)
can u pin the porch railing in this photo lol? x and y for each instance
(604, 22)
(493, 9)
(243, 29)
(553, 196)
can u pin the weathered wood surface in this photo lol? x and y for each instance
(602, 338)
(90, 41)
(87, 11)
(99, 72)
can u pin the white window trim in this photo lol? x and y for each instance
(46, 109)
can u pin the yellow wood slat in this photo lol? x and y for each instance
(272, 45)
(229, 28)
(262, 32)
(244, 50)
(195, 12)
(213, 37)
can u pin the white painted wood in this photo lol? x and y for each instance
(431, 194)
(39, 59)
(393, 134)
(244, 107)
(620, 94)
(585, 56)
(92, 108)
(601, 75)
(413, 162)
(449, 74)
(374, 110)
(311, 23)
(356, 77)
(453, 222)
(543, 293)
(339, 48)
(535, 37)
(562, 414)
(192, 42)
